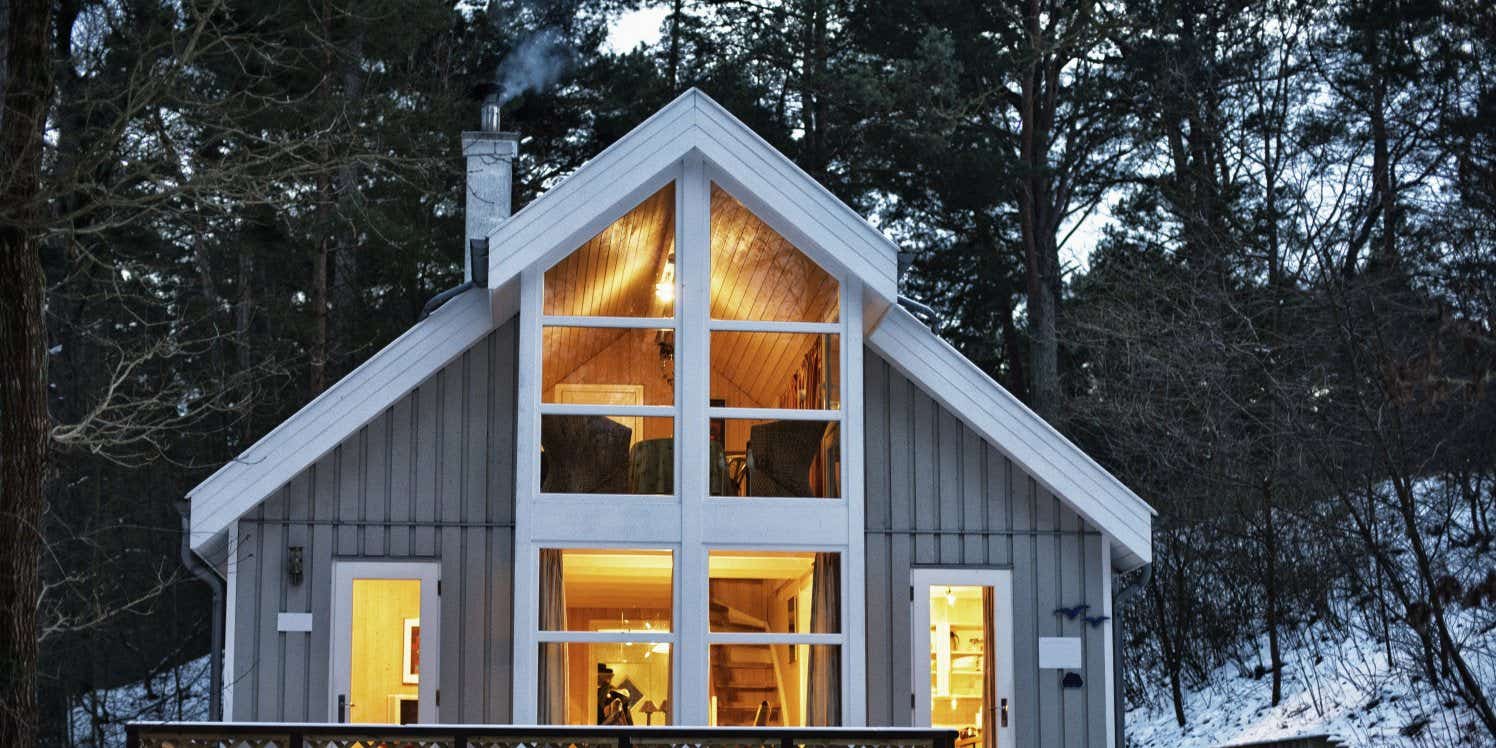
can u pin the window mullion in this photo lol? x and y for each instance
(693, 362)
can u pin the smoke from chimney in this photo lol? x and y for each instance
(535, 65)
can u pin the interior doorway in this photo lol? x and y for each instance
(963, 654)
(386, 621)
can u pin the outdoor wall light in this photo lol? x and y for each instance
(294, 564)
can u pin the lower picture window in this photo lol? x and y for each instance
(606, 637)
(771, 616)
(605, 683)
(775, 685)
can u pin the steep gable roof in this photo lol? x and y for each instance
(633, 168)
(586, 202)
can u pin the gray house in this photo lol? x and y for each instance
(675, 455)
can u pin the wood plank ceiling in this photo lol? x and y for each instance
(756, 275)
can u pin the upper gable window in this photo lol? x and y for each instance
(607, 348)
(627, 270)
(759, 275)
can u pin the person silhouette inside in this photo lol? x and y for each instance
(612, 704)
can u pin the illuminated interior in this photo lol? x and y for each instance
(606, 593)
(385, 651)
(960, 667)
(628, 273)
(771, 684)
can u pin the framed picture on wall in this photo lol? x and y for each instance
(410, 671)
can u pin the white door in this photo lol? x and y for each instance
(963, 655)
(386, 619)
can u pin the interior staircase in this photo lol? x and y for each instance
(743, 675)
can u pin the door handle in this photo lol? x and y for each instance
(1003, 717)
(342, 708)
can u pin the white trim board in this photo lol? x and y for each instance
(1006, 423)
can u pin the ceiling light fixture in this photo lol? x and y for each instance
(665, 289)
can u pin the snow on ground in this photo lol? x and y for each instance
(1350, 693)
(1337, 681)
(177, 694)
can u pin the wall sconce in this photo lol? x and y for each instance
(294, 565)
(1072, 680)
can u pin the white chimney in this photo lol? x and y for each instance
(490, 177)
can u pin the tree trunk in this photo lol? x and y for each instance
(318, 348)
(1040, 252)
(27, 88)
(1169, 648)
(672, 65)
(1270, 585)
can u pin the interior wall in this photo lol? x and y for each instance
(377, 647)
(431, 478)
(938, 495)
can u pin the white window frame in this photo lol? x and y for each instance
(840, 639)
(690, 521)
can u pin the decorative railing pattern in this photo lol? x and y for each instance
(303, 735)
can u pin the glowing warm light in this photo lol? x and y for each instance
(665, 289)
(950, 596)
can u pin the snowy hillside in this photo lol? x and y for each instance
(178, 693)
(1355, 681)
(1348, 691)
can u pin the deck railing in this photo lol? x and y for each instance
(312, 735)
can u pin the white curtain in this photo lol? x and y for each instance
(552, 685)
(823, 697)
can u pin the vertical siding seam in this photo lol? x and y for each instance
(1008, 500)
(985, 491)
(1034, 605)
(259, 579)
(311, 557)
(413, 486)
(488, 534)
(440, 494)
(363, 487)
(280, 638)
(488, 664)
(389, 475)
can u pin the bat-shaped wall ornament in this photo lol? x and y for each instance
(1071, 613)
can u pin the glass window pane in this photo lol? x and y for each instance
(586, 589)
(604, 684)
(776, 370)
(759, 275)
(627, 270)
(607, 366)
(745, 690)
(607, 454)
(775, 458)
(782, 593)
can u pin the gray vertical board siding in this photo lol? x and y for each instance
(430, 479)
(938, 495)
